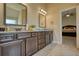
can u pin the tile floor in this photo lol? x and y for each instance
(68, 48)
(68, 40)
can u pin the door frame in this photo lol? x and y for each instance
(66, 9)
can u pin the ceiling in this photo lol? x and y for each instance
(69, 12)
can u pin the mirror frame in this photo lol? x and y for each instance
(44, 21)
(5, 15)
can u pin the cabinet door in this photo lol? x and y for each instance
(41, 41)
(0, 51)
(47, 38)
(51, 36)
(31, 45)
(13, 48)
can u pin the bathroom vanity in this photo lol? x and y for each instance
(23, 43)
(20, 42)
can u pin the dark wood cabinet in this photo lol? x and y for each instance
(24, 43)
(41, 40)
(50, 36)
(47, 38)
(0, 51)
(31, 45)
(14, 48)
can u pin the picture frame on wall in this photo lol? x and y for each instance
(42, 21)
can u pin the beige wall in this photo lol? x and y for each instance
(1, 14)
(33, 13)
(54, 21)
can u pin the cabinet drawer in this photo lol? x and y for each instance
(34, 34)
(41, 33)
(23, 35)
(6, 37)
(46, 32)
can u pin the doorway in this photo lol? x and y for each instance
(69, 27)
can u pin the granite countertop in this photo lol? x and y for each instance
(22, 31)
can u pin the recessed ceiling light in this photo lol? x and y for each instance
(67, 15)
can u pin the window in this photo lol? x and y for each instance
(11, 21)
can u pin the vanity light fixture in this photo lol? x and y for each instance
(43, 12)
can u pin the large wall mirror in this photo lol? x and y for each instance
(15, 14)
(42, 21)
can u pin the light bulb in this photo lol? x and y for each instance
(67, 15)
